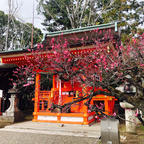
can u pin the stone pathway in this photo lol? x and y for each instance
(49, 133)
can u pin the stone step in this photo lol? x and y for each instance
(55, 129)
(56, 132)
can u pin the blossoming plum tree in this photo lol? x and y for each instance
(105, 66)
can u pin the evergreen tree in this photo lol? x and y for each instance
(19, 34)
(66, 14)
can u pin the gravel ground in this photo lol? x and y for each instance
(7, 137)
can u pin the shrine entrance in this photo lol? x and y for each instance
(54, 91)
(50, 90)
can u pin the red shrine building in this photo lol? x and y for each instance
(61, 92)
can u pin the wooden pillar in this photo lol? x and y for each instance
(60, 93)
(37, 92)
(54, 81)
(106, 107)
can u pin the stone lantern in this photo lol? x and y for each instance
(130, 118)
(13, 113)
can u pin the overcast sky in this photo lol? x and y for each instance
(24, 11)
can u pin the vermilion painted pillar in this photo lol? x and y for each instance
(60, 93)
(37, 92)
(106, 107)
(54, 83)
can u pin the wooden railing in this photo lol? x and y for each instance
(44, 99)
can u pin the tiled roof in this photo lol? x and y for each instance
(83, 29)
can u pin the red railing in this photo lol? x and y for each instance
(44, 99)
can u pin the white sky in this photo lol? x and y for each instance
(24, 11)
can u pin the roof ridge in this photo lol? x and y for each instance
(82, 29)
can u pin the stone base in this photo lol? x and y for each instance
(110, 131)
(6, 119)
(17, 117)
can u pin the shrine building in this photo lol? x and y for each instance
(62, 92)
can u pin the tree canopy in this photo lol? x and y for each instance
(66, 14)
(109, 65)
(18, 33)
